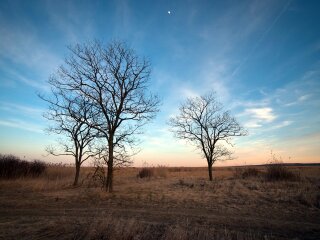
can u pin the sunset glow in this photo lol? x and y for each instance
(260, 57)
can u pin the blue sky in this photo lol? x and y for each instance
(261, 57)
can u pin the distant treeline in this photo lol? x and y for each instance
(293, 164)
(277, 163)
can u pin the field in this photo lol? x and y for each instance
(175, 203)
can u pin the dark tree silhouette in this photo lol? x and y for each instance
(65, 111)
(203, 122)
(114, 82)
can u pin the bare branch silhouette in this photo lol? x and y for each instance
(66, 111)
(113, 80)
(203, 122)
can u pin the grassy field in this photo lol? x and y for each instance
(175, 203)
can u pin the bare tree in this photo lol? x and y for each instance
(78, 137)
(203, 122)
(114, 81)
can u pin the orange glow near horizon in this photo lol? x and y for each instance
(183, 155)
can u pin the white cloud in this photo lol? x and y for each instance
(264, 114)
(253, 124)
(257, 117)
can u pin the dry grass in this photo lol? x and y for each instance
(107, 226)
(176, 203)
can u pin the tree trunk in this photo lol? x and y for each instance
(109, 183)
(76, 177)
(210, 171)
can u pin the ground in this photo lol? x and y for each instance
(176, 203)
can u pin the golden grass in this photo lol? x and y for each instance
(177, 203)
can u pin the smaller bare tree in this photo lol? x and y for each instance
(77, 138)
(203, 122)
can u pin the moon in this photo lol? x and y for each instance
(169, 12)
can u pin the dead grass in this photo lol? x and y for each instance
(175, 204)
(105, 226)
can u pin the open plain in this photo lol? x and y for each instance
(174, 203)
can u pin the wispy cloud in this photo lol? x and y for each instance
(262, 37)
(38, 84)
(299, 100)
(253, 124)
(28, 110)
(123, 17)
(18, 124)
(282, 124)
(23, 47)
(303, 90)
(188, 92)
(74, 22)
(213, 76)
(24, 56)
(304, 97)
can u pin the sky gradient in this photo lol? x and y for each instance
(261, 57)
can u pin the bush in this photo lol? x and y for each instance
(146, 172)
(13, 167)
(277, 172)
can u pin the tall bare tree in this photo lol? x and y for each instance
(114, 81)
(78, 137)
(203, 122)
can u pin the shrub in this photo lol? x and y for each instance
(13, 167)
(146, 172)
(276, 171)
